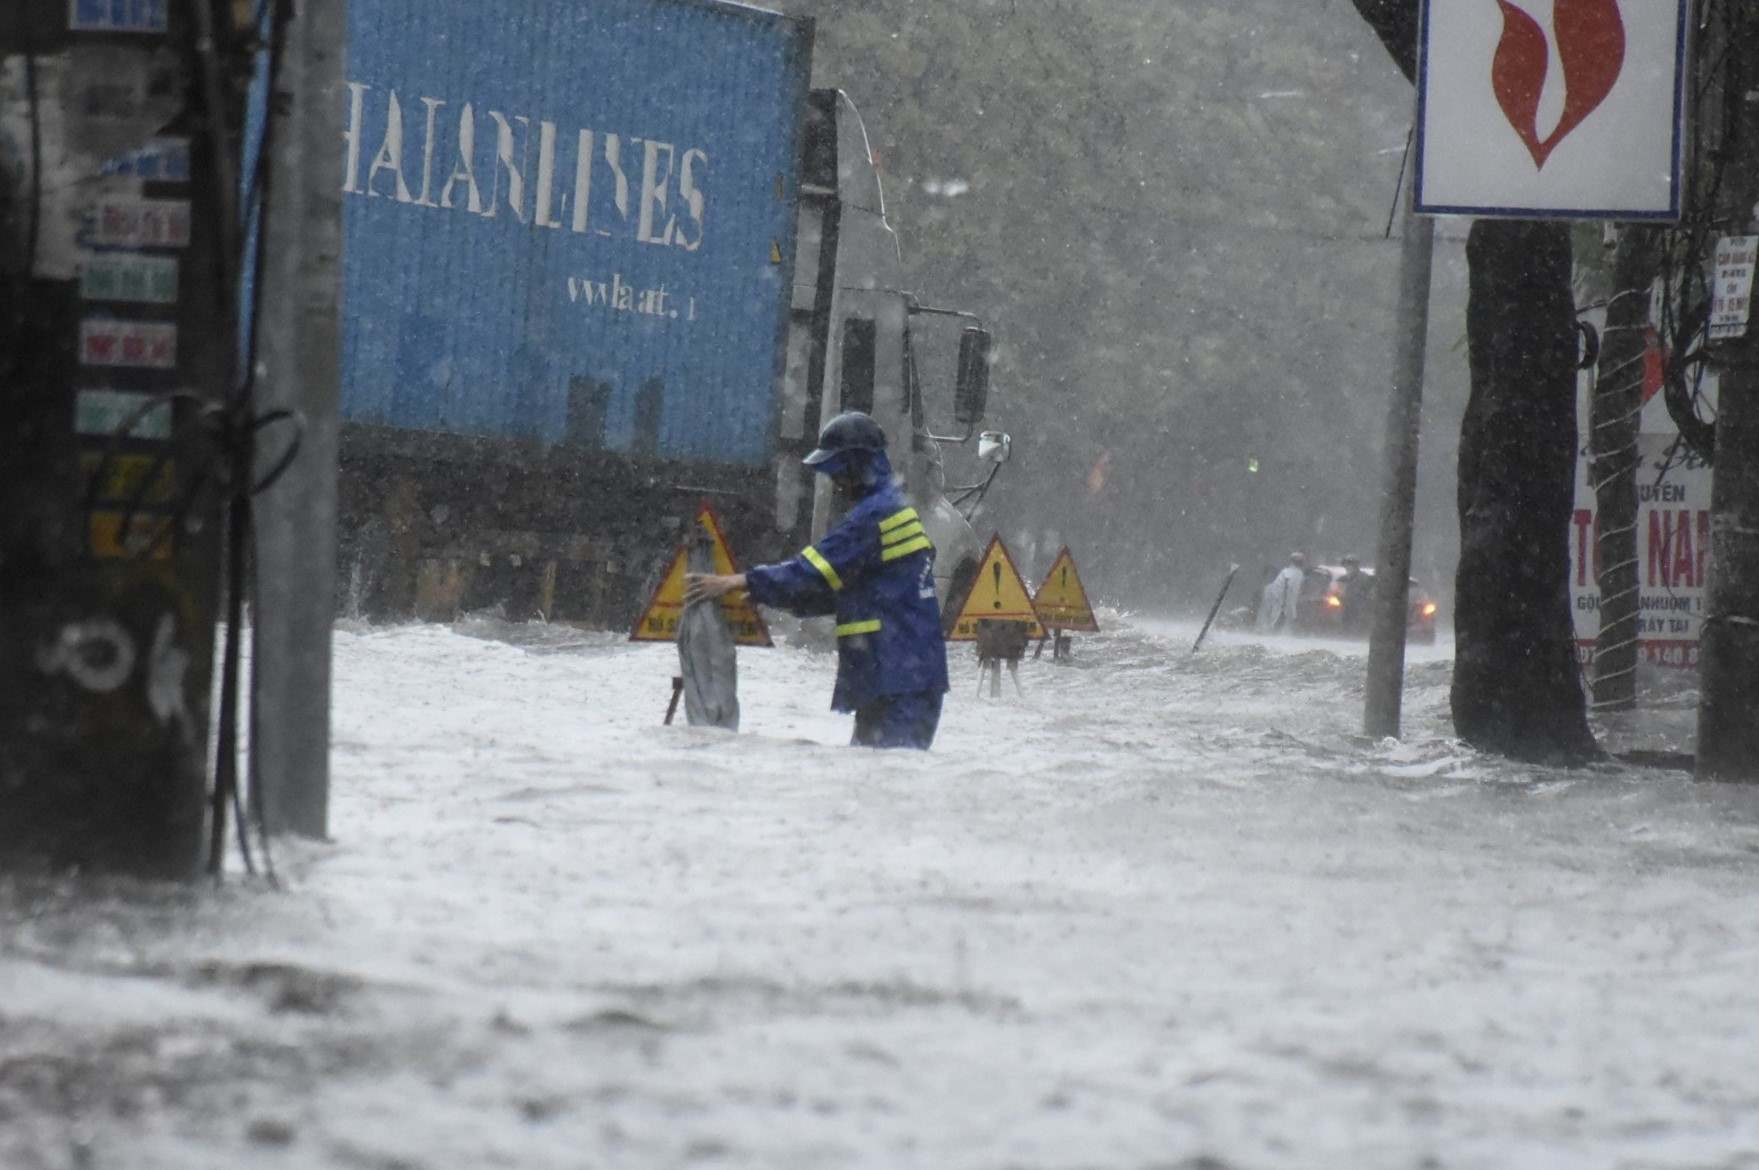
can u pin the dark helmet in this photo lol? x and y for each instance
(849, 431)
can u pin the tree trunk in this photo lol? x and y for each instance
(1618, 401)
(1516, 689)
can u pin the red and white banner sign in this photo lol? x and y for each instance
(1673, 555)
(1539, 108)
(141, 223)
(146, 345)
(1673, 530)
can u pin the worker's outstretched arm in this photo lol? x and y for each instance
(808, 584)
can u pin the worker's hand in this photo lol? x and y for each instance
(707, 586)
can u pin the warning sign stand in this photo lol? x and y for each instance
(1062, 606)
(999, 642)
(998, 615)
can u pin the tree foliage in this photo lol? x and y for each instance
(1174, 216)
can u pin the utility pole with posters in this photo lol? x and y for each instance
(1728, 712)
(117, 245)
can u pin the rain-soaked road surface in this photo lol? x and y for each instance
(1162, 911)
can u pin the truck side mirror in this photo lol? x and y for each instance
(971, 396)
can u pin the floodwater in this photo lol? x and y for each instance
(1151, 909)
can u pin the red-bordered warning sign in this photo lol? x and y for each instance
(998, 592)
(1061, 601)
(659, 618)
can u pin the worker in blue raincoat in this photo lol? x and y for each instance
(875, 571)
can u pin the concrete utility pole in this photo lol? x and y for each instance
(1392, 570)
(299, 368)
(1728, 713)
(114, 342)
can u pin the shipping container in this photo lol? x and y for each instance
(572, 223)
(572, 308)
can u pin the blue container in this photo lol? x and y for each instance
(572, 222)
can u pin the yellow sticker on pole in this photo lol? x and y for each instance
(125, 478)
(1061, 601)
(998, 593)
(117, 536)
(659, 619)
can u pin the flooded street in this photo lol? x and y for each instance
(1158, 910)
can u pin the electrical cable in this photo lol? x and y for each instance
(1399, 187)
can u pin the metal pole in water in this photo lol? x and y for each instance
(1233, 570)
(1392, 573)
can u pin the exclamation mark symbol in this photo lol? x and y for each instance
(1065, 576)
(997, 567)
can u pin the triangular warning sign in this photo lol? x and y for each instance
(1061, 602)
(659, 620)
(775, 251)
(996, 592)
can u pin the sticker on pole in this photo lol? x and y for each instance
(1552, 108)
(1061, 602)
(1731, 292)
(997, 593)
(659, 619)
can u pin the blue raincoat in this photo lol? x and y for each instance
(875, 571)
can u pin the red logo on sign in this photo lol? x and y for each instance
(1591, 45)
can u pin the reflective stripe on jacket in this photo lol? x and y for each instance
(875, 571)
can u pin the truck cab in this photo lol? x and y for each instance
(857, 342)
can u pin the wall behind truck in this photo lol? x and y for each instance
(568, 240)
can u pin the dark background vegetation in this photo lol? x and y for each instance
(1173, 215)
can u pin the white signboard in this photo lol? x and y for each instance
(1551, 108)
(102, 412)
(122, 276)
(1731, 292)
(146, 345)
(1673, 530)
(141, 223)
(1673, 555)
(159, 160)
